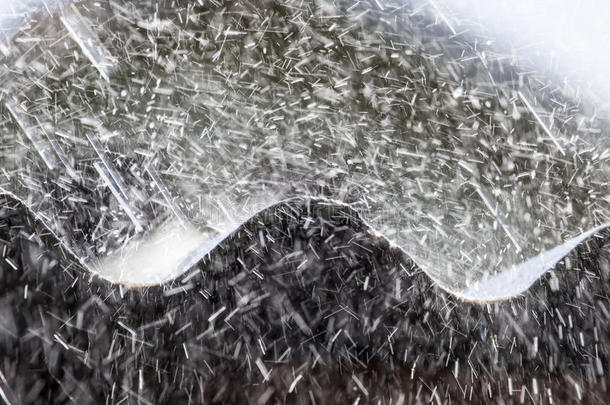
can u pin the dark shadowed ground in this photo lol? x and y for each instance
(301, 305)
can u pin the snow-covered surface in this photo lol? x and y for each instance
(464, 153)
(154, 260)
(511, 283)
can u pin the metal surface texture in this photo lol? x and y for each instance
(120, 118)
